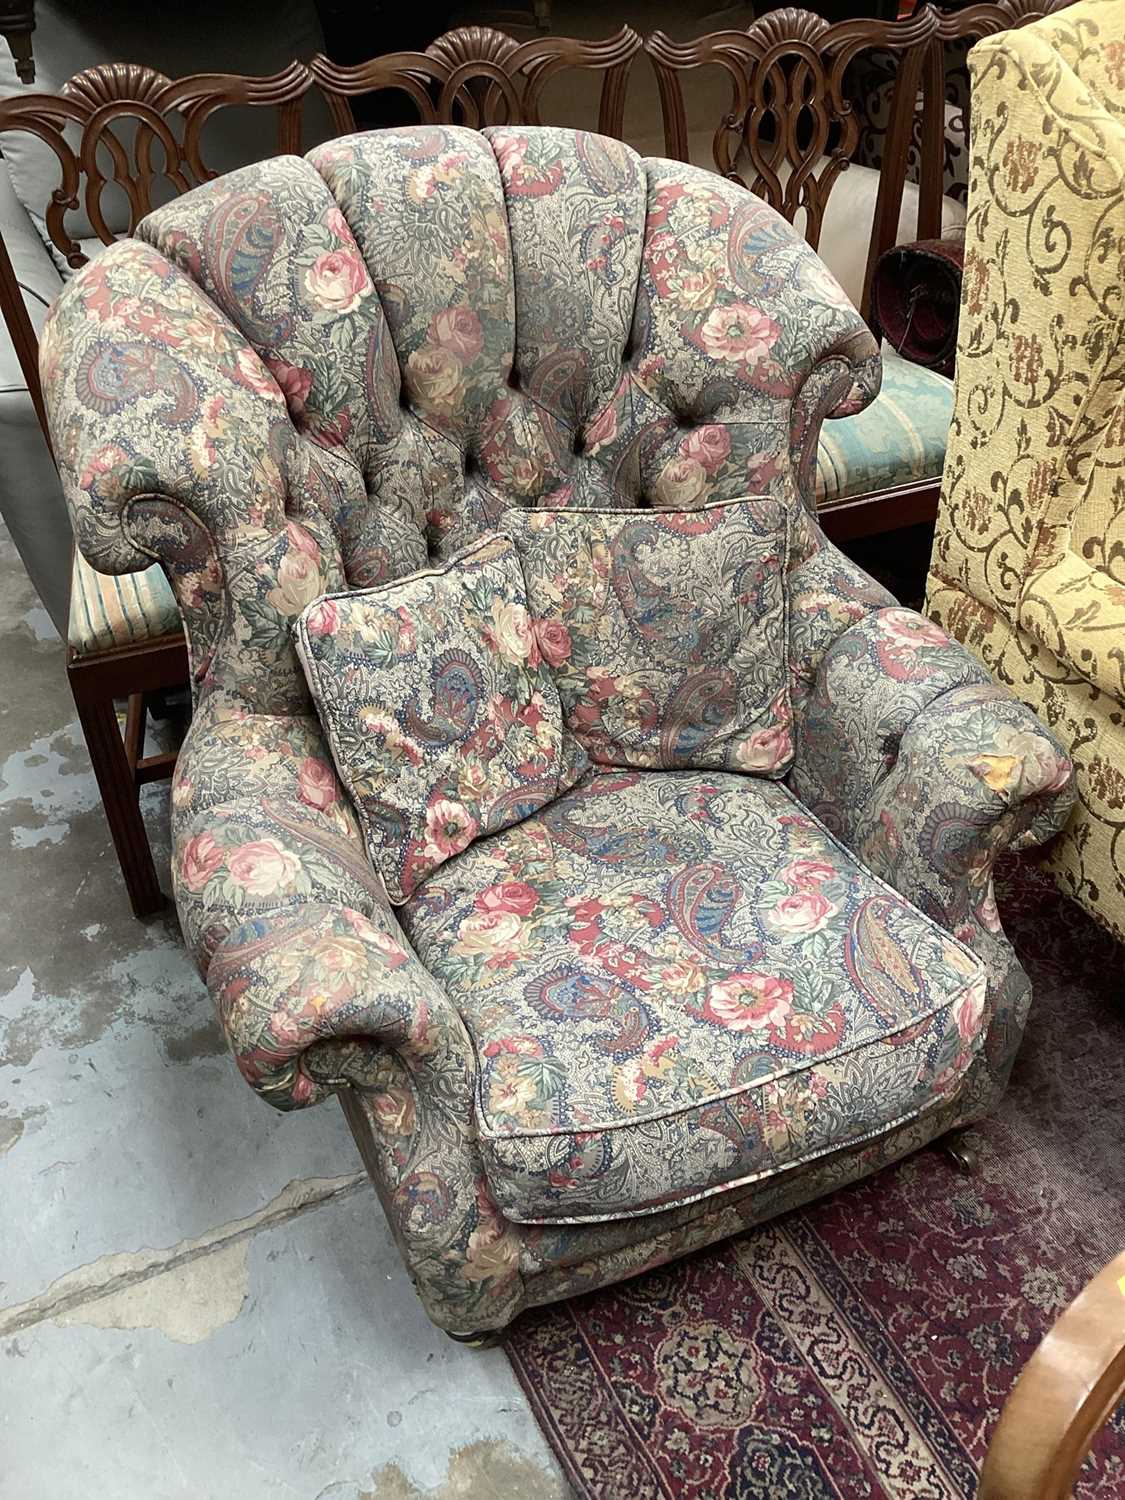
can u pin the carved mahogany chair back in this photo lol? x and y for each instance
(792, 125)
(474, 76)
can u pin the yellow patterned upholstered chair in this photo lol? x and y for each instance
(1028, 567)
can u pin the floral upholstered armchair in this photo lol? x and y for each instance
(671, 1002)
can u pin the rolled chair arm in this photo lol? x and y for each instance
(924, 766)
(1068, 1390)
(325, 997)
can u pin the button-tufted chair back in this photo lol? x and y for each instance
(316, 374)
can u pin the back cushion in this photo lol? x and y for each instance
(376, 351)
(443, 720)
(667, 631)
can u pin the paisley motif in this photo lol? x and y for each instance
(884, 976)
(239, 242)
(511, 806)
(111, 377)
(651, 610)
(608, 168)
(388, 824)
(423, 1201)
(698, 711)
(574, 993)
(431, 766)
(557, 378)
(614, 846)
(738, 1120)
(951, 837)
(701, 900)
(456, 685)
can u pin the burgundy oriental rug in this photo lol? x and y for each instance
(863, 1346)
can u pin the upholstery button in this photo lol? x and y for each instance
(513, 379)
(578, 445)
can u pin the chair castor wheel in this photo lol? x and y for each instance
(489, 1339)
(963, 1156)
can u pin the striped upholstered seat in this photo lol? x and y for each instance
(106, 612)
(901, 436)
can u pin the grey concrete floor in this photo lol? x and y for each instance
(198, 1297)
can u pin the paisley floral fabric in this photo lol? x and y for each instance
(326, 374)
(442, 715)
(676, 982)
(1029, 558)
(666, 631)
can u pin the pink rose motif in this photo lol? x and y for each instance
(299, 580)
(494, 935)
(554, 641)
(301, 540)
(603, 429)
(200, 858)
(521, 178)
(435, 376)
(750, 1002)
(407, 636)
(450, 827)
(337, 281)
(263, 867)
(510, 895)
(512, 634)
(681, 481)
(295, 383)
(803, 873)
(337, 225)
(323, 618)
(709, 446)
(903, 635)
(738, 332)
(968, 1012)
(286, 1028)
(316, 783)
(694, 289)
(251, 372)
(905, 628)
(802, 912)
(458, 329)
(102, 461)
(510, 151)
(765, 749)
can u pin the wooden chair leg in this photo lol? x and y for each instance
(98, 718)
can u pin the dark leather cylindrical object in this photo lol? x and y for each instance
(916, 300)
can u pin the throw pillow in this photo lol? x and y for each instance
(440, 713)
(667, 630)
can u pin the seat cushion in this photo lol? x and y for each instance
(108, 611)
(666, 630)
(900, 437)
(678, 982)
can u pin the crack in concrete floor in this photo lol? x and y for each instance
(110, 1275)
